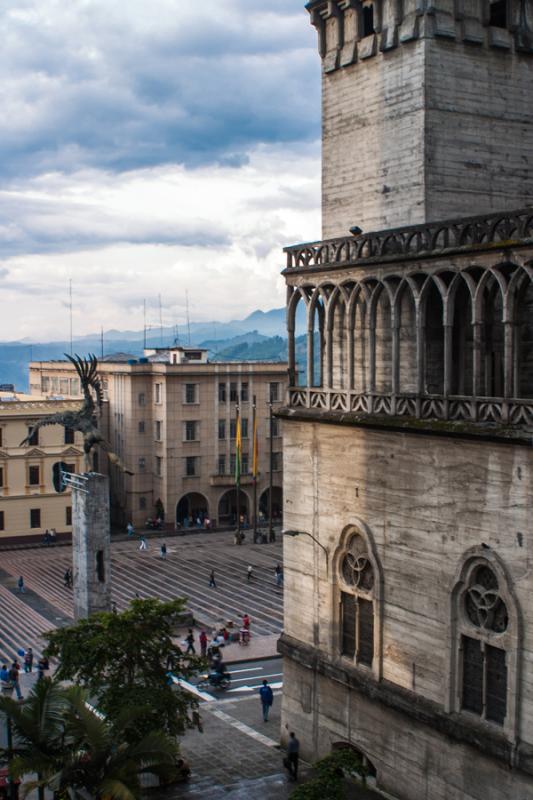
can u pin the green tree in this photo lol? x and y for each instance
(123, 659)
(74, 750)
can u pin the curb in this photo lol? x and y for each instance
(252, 659)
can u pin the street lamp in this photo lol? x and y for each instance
(315, 540)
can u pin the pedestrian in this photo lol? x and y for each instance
(28, 660)
(212, 581)
(130, 529)
(163, 551)
(114, 609)
(278, 572)
(14, 678)
(5, 681)
(293, 753)
(246, 622)
(267, 698)
(67, 579)
(42, 667)
(143, 545)
(190, 643)
(53, 534)
(47, 537)
(20, 584)
(249, 573)
(203, 644)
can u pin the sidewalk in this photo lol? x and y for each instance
(260, 647)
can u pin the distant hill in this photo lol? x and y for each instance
(259, 336)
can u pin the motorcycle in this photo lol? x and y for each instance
(215, 680)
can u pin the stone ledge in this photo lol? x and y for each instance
(482, 432)
(457, 728)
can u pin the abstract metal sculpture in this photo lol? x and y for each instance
(86, 419)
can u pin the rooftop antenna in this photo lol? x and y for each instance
(160, 320)
(176, 333)
(188, 318)
(144, 324)
(70, 310)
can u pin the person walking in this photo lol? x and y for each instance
(190, 643)
(28, 660)
(130, 529)
(163, 551)
(267, 698)
(5, 681)
(293, 754)
(67, 579)
(143, 545)
(20, 584)
(212, 581)
(203, 643)
(249, 573)
(278, 572)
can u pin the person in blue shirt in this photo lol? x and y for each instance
(267, 698)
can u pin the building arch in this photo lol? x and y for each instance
(298, 295)
(357, 583)
(485, 639)
(227, 507)
(432, 323)
(277, 502)
(191, 507)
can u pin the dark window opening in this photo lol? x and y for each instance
(221, 392)
(348, 624)
(100, 566)
(34, 476)
(365, 650)
(498, 14)
(368, 20)
(2, 521)
(496, 684)
(69, 436)
(33, 436)
(233, 394)
(142, 503)
(484, 680)
(35, 517)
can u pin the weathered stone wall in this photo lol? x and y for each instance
(426, 501)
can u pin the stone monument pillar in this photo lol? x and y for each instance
(91, 535)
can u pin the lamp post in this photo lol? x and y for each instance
(315, 540)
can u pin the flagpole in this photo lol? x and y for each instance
(254, 467)
(271, 534)
(238, 470)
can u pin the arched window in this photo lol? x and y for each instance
(358, 582)
(486, 639)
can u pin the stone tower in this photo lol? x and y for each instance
(427, 109)
(408, 480)
(91, 544)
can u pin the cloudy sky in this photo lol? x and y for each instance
(152, 147)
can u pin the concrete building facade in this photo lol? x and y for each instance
(170, 416)
(32, 498)
(408, 464)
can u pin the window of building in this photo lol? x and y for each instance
(34, 476)
(191, 392)
(64, 386)
(68, 515)
(276, 462)
(100, 566)
(221, 466)
(367, 20)
(273, 392)
(142, 464)
(482, 646)
(141, 398)
(75, 386)
(1, 437)
(498, 14)
(158, 428)
(191, 431)
(191, 466)
(275, 427)
(141, 426)
(222, 429)
(232, 428)
(1, 476)
(244, 392)
(356, 581)
(2, 521)
(158, 465)
(221, 392)
(69, 436)
(244, 427)
(142, 503)
(35, 517)
(157, 392)
(233, 394)
(33, 436)
(244, 464)
(45, 384)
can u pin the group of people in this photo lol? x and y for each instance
(10, 676)
(50, 536)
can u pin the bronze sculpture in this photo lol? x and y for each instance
(86, 419)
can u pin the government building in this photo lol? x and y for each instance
(408, 479)
(171, 418)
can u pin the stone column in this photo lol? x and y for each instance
(91, 535)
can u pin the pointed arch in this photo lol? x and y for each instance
(405, 316)
(296, 370)
(432, 319)
(460, 318)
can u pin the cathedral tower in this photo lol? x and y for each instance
(427, 109)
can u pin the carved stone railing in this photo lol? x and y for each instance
(416, 241)
(425, 407)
